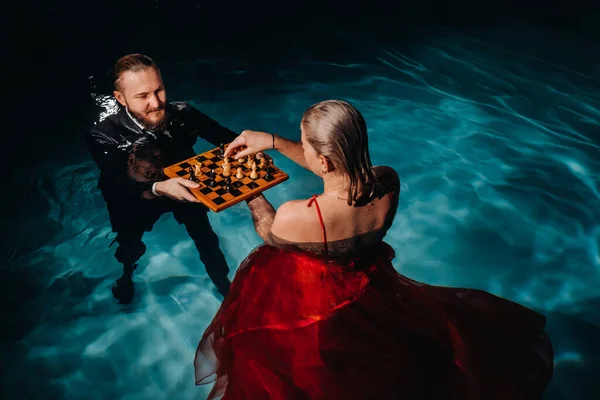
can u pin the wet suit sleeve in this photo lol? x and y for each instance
(112, 163)
(207, 128)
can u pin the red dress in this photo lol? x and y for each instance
(302, 325)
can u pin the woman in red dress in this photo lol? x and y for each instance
(319, 312)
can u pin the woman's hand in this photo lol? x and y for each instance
(249, 142)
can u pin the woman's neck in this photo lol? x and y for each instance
(335, 184)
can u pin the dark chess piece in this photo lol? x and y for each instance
(228, 184)
(212, 182)
(193, 175)
(221, 150)
(268, 175)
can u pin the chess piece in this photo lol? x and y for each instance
(250, 160)
(197, 170)
(239, 174)
(221, 150)
(226, 167)
(228, 183)
(253, 174)
(212, 181)
(242, 160)
(268, 163)
(262, 163)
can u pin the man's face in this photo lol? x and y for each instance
(143, 93)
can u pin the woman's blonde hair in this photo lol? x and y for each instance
(338, 131)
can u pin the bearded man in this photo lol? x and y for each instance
(131, 148)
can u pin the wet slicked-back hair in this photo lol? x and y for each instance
(131, 62)
(338, 131)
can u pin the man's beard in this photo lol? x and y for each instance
(151, 125)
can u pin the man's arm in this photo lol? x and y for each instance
(112, 163)
(207, 128)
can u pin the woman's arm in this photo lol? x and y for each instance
(252, 142)
(291, 149)
(263, 215)
(289, 222)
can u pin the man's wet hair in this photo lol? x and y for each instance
(131, 62)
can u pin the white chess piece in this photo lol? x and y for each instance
(253, 174)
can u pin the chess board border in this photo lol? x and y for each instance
(175, 171)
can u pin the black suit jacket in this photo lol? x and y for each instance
(131, 159)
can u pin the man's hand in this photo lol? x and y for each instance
(177, 189)
(250, 142)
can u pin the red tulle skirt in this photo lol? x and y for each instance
(299, 327)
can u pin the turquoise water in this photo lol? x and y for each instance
(499, 155)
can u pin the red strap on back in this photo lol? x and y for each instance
(314, 199)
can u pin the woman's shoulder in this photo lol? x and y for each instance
(294, 221)
(292, 210)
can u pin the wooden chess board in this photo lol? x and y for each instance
(217, 197)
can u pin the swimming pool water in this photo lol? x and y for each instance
(499, 158)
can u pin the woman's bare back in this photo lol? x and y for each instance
(346, 228)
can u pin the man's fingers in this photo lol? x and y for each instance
(188, 183)
(190, 197)
(186, 196)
